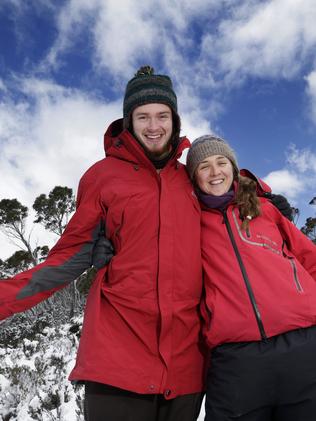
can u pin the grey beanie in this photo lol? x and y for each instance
(209, 145)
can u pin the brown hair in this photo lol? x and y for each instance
(247, 200)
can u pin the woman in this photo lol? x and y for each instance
(260, 296)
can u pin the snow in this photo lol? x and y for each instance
(34, 378)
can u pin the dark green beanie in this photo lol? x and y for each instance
(147, 88)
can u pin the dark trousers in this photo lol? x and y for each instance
(273, 380)
(107, 403)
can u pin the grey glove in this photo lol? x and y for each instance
(281, 203)
(103, 252)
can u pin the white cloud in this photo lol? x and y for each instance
(269, 39)
(285, 182)
(297, 181)
(72, 21)
(58, 132)
(311, 92)
(49, 139)
(240, 38)
(122, 37)
(3, 87)
(303, 160)
(124, 34)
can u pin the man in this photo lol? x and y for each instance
(140, 353)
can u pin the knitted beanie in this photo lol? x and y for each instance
(209, 145)
(146, 88)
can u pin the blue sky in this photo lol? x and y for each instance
(243, 69)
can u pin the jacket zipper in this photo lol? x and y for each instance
(245, 277)
(296, 280)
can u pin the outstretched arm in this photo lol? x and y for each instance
(70, 257)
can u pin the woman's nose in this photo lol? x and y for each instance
(213, 170)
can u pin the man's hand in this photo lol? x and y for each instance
(102, 253)
(281, 203)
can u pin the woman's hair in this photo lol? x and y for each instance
(247, 200)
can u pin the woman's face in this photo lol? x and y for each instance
(215, 175)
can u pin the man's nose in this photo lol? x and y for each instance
(152, 124)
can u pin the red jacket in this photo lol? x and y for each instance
(142, 323)
(258, 283)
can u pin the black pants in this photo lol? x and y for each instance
(274, 380)
(107, 403)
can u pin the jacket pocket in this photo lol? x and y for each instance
(294, 269)
(295, 275)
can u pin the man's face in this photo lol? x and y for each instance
(152, 125)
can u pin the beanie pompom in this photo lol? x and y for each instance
(145, 70)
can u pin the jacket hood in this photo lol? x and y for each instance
(120, 143)
(262, 187)
(112, 133)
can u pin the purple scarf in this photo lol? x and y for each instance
(216, 202)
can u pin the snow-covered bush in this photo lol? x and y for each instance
(34, 376)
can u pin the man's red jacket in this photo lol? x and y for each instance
(141, 328)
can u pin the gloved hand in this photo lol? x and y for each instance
(102, 253)
(281, 203)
